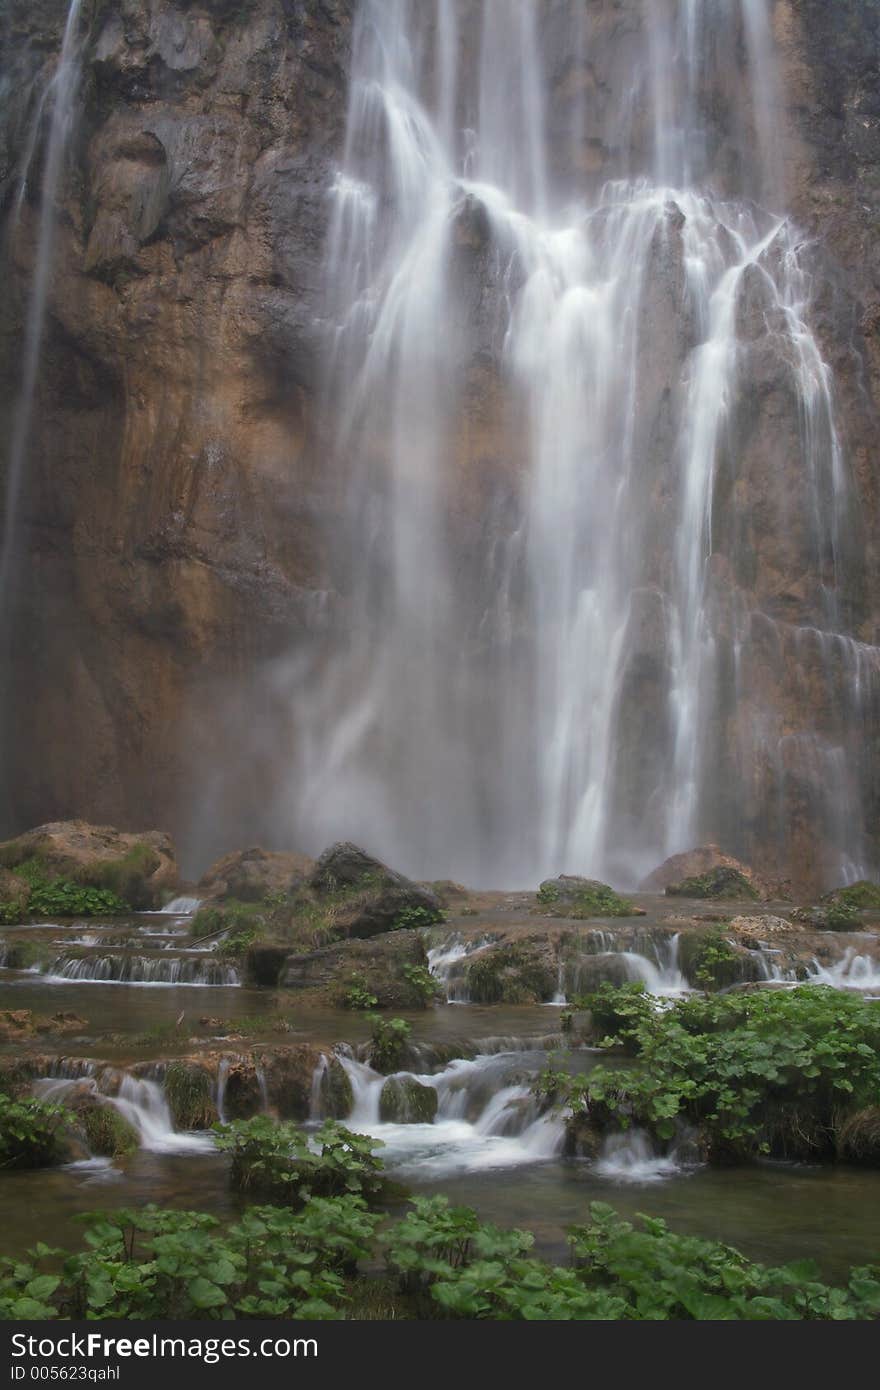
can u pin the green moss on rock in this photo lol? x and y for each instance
(514, 973)
(580, 898)
(722, 882)
(405, 1101)
(189, 1091)
(106, 1132)
(863, 894)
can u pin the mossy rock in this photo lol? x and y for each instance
(830, 916)
(857, 896)
(722, 882)
(580, 898)
(708, 961)
(583, 1138)
(405, 1101)
(189, 1091)
(107, 1133)
(513, 973)
(22, 955)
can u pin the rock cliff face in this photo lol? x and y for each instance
(174, 527)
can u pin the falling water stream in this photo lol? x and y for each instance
(62, 93)
(570, 350)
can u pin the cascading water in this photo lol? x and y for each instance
(62, 95)
(486, 1117)
(556, 289)
(661, 976)
(142, 970)
(139, 1100)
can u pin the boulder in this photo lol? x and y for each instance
(365, 897)
(139, 868)
(376, 964)
(572, 896)
(252, 875)
(106, 1133)
(524, 971)
(405, 1101)
(697, 863)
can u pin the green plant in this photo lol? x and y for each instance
(30, 1133)
(189, 1092)
(278, 1160)
(358, 995)
(714, 963)
(423, 983)
(764, 1072)
(863, 894)
(176, 1264)
(234, 945)
(662, 1275)
(548, 893)
(126, 878)
(61, 897)
(416, 917)
(388, 1043)
(274, 1263)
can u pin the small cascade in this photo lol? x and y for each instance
(487, 1117)
(560, 997)
(445, 962)
(142, 970)
(852, 971)
(661, 976)
(139, 1100)
(770, 967)
(316, 1097)
(220, 1094)
(181, 907)
(142, 1102)
(631, 1157)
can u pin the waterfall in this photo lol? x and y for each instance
(552, 307)
(138, 1100)
(62, 91)
(181, 907)
(662, 976)
(852, 971)
(486, 1116)
(631, 1157)
(142, 970)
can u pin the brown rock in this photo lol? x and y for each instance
(249, 875)
(695, 862)
(140, 867)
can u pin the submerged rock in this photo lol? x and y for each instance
(673, 873)
(405, 1101)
